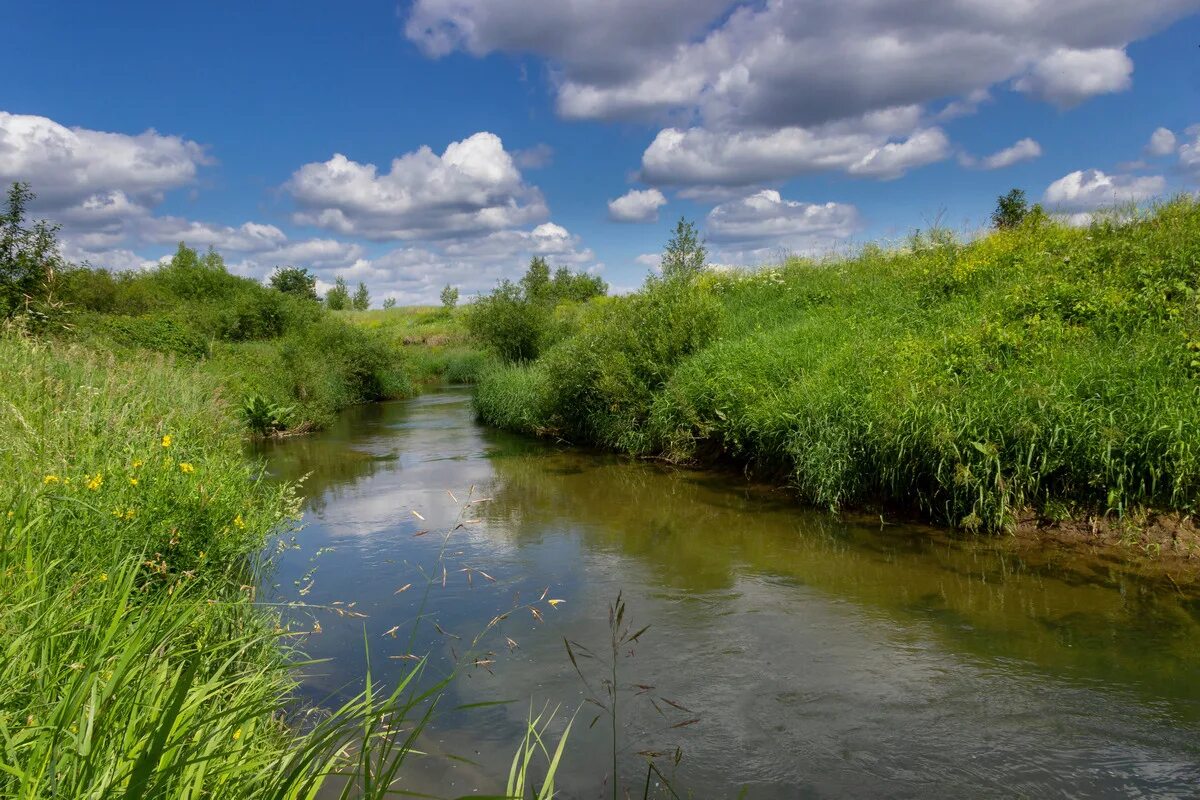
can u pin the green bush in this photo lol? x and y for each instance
(519, 321)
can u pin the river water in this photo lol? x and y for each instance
(789, 654)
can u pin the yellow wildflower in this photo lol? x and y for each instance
(239, 522)
(50, 479)
(137, 462)
(95, 482)
(186, 468)
(166, 441)
(103, 577)
(129, 513)
(237, 734)
(202, 554)
(133, 481)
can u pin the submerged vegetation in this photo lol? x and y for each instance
(1039, 367)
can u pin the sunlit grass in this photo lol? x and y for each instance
(134, 660)
(1043, 365)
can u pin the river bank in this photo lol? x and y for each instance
(1042, 372)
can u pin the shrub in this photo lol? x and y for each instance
(296, 281)
(338, 298)
(518, 321)
(29, 258)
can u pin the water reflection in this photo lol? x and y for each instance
(824, 659)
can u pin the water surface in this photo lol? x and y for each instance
(818, 658)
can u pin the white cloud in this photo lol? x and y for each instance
(784, 63)
(536, 157)
(1162, 143)
(1087, 190)
(473, 187)
(1067, 77)
(764, 223)
(1189, 153)
(651, 260)
(701, 156)
(1025, 150)
(896, 158)
(791, 82)
(77, 167)
(637, 205)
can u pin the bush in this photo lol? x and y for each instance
(601, 380)
(518, 321)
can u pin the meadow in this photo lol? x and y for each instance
(1039, 371)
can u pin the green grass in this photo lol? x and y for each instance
(433, 342)
(134, 661)
(1039, 366)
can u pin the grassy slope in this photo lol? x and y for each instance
(133, 661)
(1044, 367)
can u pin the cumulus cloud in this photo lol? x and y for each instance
(1162, 143)
(1088, 190)
(1067, 77)
(94, 172)
(1189, 152)
(893, 159)
(732, 77)
(762, 224)
(472, 188)
(700, 156)
(637, 205)
(1025, 150)
(798, 62)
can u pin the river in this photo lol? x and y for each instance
(790, 654)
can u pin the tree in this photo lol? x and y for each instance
(295, 281)
(1011, 209)
(338, 298)
(449, 298)
(29, 257)
(685, 254)
(389, 302)
(362, 298)
(536, 280)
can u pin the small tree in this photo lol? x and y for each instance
(29, 257)
(536, 280)
(295, 281)
(449, 298)
(389, 302)
(685, 254)
(338, 298)
(1011, 209)
(362, 298)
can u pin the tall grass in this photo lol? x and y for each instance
(134, 661)
(1043, 367)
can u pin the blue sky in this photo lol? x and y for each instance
(269, 129)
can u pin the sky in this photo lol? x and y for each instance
(429, 142)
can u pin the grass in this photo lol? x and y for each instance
(432, 341)
(1044, 367)
(134, 661)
